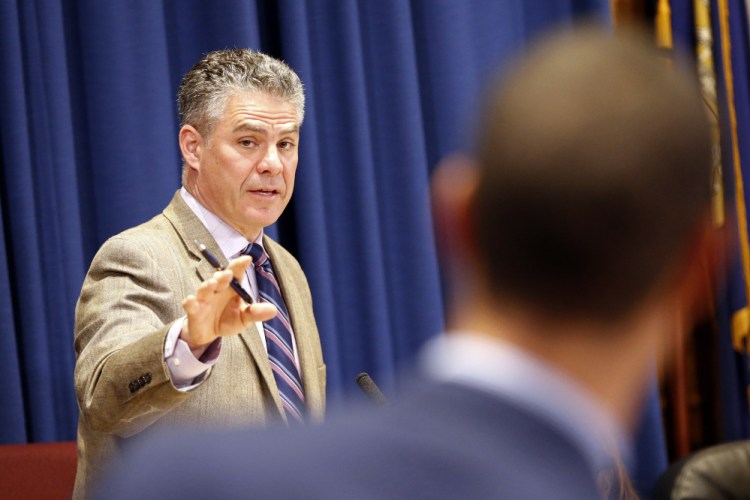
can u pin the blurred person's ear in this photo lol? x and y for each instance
(699, 273)
(702, 269)
(705, 267)
(453, 188)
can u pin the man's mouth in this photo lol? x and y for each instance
(265, 191)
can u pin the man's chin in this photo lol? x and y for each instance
(262, 217)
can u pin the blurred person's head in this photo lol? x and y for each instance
(581, 216)
(594, 161)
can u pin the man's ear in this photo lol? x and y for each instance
(705, 267)
(453, 187)
(191, 146)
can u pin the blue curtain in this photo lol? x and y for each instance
(89, 148)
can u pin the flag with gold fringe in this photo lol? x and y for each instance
(733, 47)
(718, 34)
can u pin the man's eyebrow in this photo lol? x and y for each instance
(292, 129)
(249, 127)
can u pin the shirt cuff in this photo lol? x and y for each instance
(185, 370)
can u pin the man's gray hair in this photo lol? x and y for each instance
(206, 88)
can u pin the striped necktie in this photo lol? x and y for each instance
(278, 332)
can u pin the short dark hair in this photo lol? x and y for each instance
(594, 158)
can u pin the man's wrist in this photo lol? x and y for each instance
(197, 348)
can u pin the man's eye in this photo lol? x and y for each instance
(247, 143)
(286, 145)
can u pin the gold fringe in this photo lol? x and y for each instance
(740, 328)
(663, 24)
(707, 76)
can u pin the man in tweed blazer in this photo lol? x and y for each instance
(161, 338)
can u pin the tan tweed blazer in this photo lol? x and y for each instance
(131, 296)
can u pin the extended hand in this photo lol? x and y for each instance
(216, 310)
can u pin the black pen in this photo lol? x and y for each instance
(215, 262)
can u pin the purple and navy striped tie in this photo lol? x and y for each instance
(278, 332)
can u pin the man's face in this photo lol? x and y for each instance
(246, 167)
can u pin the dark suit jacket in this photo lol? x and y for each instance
(443, 441)
(130, 298)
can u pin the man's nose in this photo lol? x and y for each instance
(271, 162)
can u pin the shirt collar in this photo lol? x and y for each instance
(500, 368)
(230, 241)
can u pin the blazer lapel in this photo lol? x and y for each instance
(190, 229)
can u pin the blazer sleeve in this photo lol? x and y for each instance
(125, 309)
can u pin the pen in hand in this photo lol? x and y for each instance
(236, 286)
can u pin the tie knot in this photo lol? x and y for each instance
(256, 252)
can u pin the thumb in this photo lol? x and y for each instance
(259, 312)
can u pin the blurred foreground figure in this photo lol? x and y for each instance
(569, 238)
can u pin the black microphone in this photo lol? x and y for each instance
(369, 387)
